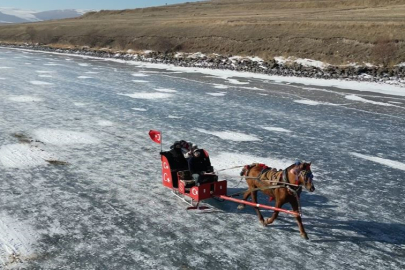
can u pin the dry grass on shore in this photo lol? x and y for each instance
(328, 30)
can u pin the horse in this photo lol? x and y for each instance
(283, 185)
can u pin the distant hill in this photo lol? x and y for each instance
(337, 32)
(13, 15)
(6, 18)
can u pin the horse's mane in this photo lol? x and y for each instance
(305, 166)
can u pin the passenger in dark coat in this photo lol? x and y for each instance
(198, 164)
(178, 162)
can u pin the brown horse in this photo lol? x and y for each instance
(283, 186)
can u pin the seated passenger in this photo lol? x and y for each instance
(177, 158)
(198, 165)
(189, 153)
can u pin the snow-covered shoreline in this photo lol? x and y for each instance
(301, 71)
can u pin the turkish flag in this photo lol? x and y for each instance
(156, 136)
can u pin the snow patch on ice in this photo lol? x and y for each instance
(277, 129)
(139, 109)
(315, 103)
(64, 137)
(25, 99)
(308, 102)
(23, 155)
(140, 75)
(40, 83)
(221, 86)
(79, 104)
(387, 162)
(302, 61)
(44, 71)
(357, 98)
(196, 55)
(231, 135)
(227, 160)
(234, 81)
(16, 241)
(146, 95)
(105, 123)
(139, 81)
(166, 90)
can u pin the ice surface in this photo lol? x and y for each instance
(64, 137)
(230, 135)
(98, 202)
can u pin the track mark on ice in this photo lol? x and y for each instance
(387, 162)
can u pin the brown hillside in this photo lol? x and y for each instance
(329, 30)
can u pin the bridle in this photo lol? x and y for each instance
(307, 175)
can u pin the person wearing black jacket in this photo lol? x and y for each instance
(199, 164)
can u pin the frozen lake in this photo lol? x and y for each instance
(81, 183)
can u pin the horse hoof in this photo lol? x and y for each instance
(305, 236)
(241, 206)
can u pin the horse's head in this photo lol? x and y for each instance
(306, 177)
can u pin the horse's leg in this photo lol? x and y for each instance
(270, 220)
(247, 193)
(259, 214)
(294, 205)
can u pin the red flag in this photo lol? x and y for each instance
(155, 136)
